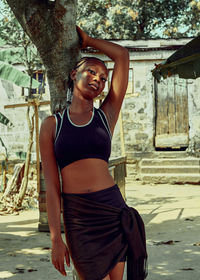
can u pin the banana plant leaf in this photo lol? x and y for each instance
(3, 163)
(3, 119)
(185, 62)
(12, 74)
(12, 55)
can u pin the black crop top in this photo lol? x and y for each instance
(74, 142)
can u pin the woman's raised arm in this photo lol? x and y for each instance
(120, 55)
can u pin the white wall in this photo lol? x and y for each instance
(138, 109)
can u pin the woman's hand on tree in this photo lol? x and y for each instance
(83, 37)
(59, 255)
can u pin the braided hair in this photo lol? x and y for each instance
(70, 82)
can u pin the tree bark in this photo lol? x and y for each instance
(52, 28)
(24, 183)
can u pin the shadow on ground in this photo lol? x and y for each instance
(25, 252)
(172, 219)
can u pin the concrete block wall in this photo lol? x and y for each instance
(138, 109)
(138, 112)
(194, 116)
(16, 137)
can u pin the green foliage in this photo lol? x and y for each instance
(3, 119)
(10, 30)
(139, 19)
(13, 35)
(6, 152)
(21, 51)
(15, 55)
(12, 74)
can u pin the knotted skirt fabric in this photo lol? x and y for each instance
(96, 234)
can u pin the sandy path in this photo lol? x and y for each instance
(171, 213)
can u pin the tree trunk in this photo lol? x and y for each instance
(51, 25)
(24, 184)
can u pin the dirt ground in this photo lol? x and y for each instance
(172, 217)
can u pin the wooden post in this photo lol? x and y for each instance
(121, 135)
(35, 103)
(37, 145)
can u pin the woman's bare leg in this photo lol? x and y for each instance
(117, 272)
(106, 278)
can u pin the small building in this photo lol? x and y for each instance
(157, 120)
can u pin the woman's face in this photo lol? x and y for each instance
(90, 78)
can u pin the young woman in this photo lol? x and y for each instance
(78, 143)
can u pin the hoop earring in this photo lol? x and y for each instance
(69, 96)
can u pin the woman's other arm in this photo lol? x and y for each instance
(53, 197)
(120, 55)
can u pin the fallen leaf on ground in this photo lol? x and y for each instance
(32, 269)
(19, 270)
(189, 268)
(46, 248)
(169, 242)
(196, 244)
(44, 260)
(11, 254)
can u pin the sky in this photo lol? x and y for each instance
(1, 5)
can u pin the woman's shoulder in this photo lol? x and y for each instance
(48, 125)
(50, 120)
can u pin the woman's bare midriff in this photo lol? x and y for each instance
(86, 175)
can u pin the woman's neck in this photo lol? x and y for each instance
(81, 105)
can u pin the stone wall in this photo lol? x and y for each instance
(194, 116)
(15, 135)
(138, 109)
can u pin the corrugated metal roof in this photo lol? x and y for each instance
(185, 62)
(140, 49)
(147, 45)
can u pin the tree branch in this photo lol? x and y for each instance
(32, 15)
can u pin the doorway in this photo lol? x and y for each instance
(171, 123)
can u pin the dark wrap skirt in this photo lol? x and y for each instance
(100, 235)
